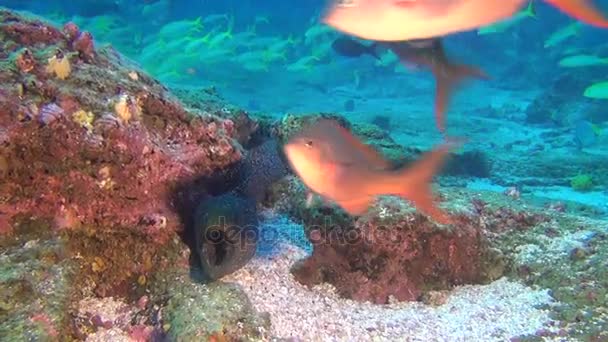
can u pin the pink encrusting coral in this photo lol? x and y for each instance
(123, 172)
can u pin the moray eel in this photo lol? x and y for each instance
(226, 226)
(264, 165)
(226, 229)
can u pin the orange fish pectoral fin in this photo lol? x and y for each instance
(416, 181)
(447, 79)
(356, 206)
(581, 10)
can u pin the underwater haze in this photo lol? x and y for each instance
(106, 204)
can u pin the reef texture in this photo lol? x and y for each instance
(390, 252)
(103, 147)
(95, 161)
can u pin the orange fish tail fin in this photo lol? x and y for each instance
(582, 10)
(417, 182)
(447, 79)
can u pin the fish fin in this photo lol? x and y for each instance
(531, 9)
(447, 79)
(582, 10)
(356, 206)
(371, 155)
(198, 24)
(416, 182)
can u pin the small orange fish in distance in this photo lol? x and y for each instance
(395, 20)
(448, 74)
(336, 165)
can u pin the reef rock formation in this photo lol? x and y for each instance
(392, 253)
(102, 146)
(93, 157)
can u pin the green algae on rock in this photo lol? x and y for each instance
(35, 292)
(568, 256)
(205, 311)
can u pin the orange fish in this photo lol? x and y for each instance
(430, 53)
(334, 164)
(397, 20)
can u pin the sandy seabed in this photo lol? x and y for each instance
(495, 312)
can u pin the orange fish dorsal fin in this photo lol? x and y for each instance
(447, 79)
(371, 156)
(582, 10)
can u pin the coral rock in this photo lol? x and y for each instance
(71, 31)
(25, 61)
(84, 45)
(401, 256)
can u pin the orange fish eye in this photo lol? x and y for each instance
(308, 143)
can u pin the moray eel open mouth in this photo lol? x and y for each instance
(226, 229)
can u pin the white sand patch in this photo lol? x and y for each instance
(494, 312)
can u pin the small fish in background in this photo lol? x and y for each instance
(348, 47)
(448, 74)
(504, 25)
(349, 105)
(597, 91)
(180, 29)
(586, 134)
(153, 9)
(214, 19)
(579, 61)
(316, 32)
(336, 165)
(563, 34)
(305, 63)
(389, 20)
(382, 121)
